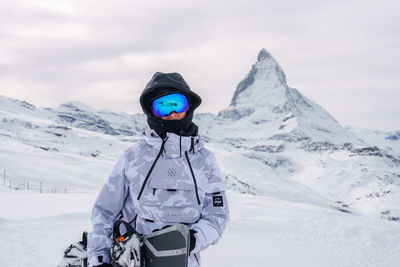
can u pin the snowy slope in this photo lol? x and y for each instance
(263, 231)
(72, 146)
(389, 141)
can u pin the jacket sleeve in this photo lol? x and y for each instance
(105, 211)
(215, 212)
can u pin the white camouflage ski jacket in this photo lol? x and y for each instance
(157, 183)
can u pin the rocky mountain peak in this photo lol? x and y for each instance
(264, 55)
(267, 70)
(264, 98)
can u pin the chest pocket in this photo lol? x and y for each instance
(170, 185)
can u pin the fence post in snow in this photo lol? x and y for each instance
(27, 185)
(65, 190)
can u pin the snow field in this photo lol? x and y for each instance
(263, 231)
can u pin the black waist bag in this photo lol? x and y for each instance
(167, 247)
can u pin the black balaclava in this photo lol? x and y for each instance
(164, 84)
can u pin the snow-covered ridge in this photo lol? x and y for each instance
(270, 141)
(82, 116)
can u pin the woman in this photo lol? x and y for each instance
(168, 178)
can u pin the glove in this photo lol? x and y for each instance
(192, 239)
(105, 264)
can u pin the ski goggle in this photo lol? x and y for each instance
(164, 105)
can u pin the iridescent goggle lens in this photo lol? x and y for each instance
(164, 105)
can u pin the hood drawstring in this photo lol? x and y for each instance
(152, 167)
(180, 145)
(194, 178)
(192, 144)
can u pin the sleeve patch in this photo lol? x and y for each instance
(217, 201)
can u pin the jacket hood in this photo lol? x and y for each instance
(163, 84)
(176, 145)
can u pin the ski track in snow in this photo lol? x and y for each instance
(263, 231)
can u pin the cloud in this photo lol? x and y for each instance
(103, 53)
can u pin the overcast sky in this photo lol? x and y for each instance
(343, 55)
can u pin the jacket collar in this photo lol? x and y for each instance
(175, 145)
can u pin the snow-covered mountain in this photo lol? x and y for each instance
(271, 140)
(269, 108)
(72, 146)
